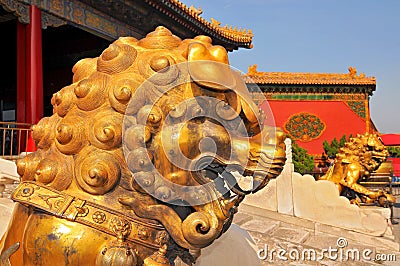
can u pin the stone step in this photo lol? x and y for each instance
(315, 228)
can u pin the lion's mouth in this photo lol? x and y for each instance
(379, 155)
(216, 169)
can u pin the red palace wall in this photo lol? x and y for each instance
(335, 119)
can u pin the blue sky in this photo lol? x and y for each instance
(321, 36)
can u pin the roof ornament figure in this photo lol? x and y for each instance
(197, 11)
(215, 22)
(353, 73)
(252, 71)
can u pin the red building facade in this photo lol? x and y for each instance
(314, 107)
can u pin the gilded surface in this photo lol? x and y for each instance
(358, 158)
(133, 167)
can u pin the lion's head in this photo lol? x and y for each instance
(366, 149)
(153, 128)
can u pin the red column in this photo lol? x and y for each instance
(34, 95)
(21, 72)
(30, 72)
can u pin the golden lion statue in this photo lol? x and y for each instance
(134, 166)
(358, 158)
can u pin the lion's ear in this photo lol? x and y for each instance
(209, 67)
(219, 54)
(249, 107)
(372, 139)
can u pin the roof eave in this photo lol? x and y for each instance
(198, 25)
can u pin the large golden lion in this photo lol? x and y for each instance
(359, 158)
(133, 167)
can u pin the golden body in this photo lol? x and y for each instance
(127, 167)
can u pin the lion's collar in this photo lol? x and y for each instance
(64, 206)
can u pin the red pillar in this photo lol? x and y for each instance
(21, 72)
(30, 72)
(34, 95)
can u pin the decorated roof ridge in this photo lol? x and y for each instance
(241, 36)
(350, 78)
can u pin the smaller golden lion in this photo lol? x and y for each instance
(358, 158)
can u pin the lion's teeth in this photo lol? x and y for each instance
(245, 182)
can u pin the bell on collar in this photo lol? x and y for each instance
(158, 258)
(117, 253)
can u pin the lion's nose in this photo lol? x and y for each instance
(274, 136)
(280, 136)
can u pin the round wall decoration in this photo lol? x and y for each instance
(304, 127)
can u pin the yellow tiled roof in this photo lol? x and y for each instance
(350, 78)
(241, 36)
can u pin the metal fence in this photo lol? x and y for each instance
(396, 188)
(13, 139)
